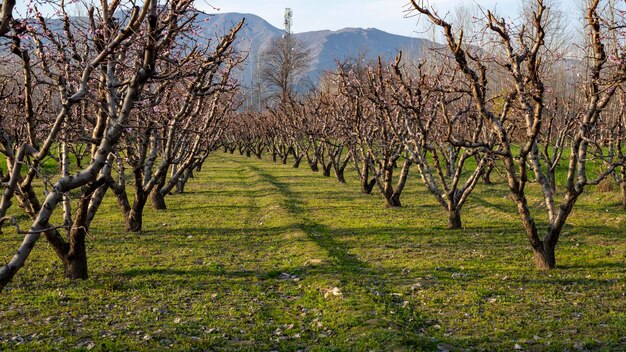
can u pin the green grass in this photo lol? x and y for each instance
(248, 259)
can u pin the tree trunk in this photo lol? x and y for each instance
(543, 260)
(340, 167)
(180, 185)
(75, 264)
(622, 186)
(392, 198)
(76, 267)
(313, 165)
(248, 153)
(339, 172)
(487, 175)
(134, 218)
(283, 159)
(326, 169)
(545, 256)
(182, 182)
(75, 259)
(157, 199)
(73, 255)
(367, 185)
(454, 219)
(393, 201)
(296, 162)
(134, 222)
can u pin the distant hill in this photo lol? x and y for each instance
(326, 46)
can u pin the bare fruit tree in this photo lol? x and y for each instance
(439, 131)
(89, 71)
(519, 50)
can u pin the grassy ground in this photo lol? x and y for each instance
(259, 256)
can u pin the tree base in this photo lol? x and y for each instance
(454, 221)
(545, 259)
(76, 269)
(158, 201)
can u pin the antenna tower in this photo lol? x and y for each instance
(288, 20)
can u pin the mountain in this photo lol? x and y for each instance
(329, 46)
(326, 46)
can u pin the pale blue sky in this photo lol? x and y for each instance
(387, 15)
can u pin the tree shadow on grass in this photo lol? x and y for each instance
(407, 320)
(548, 281)
(506, 209)
(217, 271)
(318, 233)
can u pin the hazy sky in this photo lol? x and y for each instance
(388, 15)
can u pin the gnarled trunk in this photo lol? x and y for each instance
(545, 256)
(622, 186)
(339, 173)
(487, 175)
(454, 219)
(326, 169)
(75, 264)
(296, 162)
(391, 194)
(367, 184)
(75, 259)
(340, 167)
(157, 200)
(182, 182)
(393, 201)
(73, 255)
(134, 219)
(258, 153)
(133, 216)
(542, 250)
(180, 186)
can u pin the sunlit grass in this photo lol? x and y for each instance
(261, 256)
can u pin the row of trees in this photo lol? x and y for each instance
(132, 96)
(131, 92)
(517, 101)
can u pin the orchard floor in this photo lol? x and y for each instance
(261, 256)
